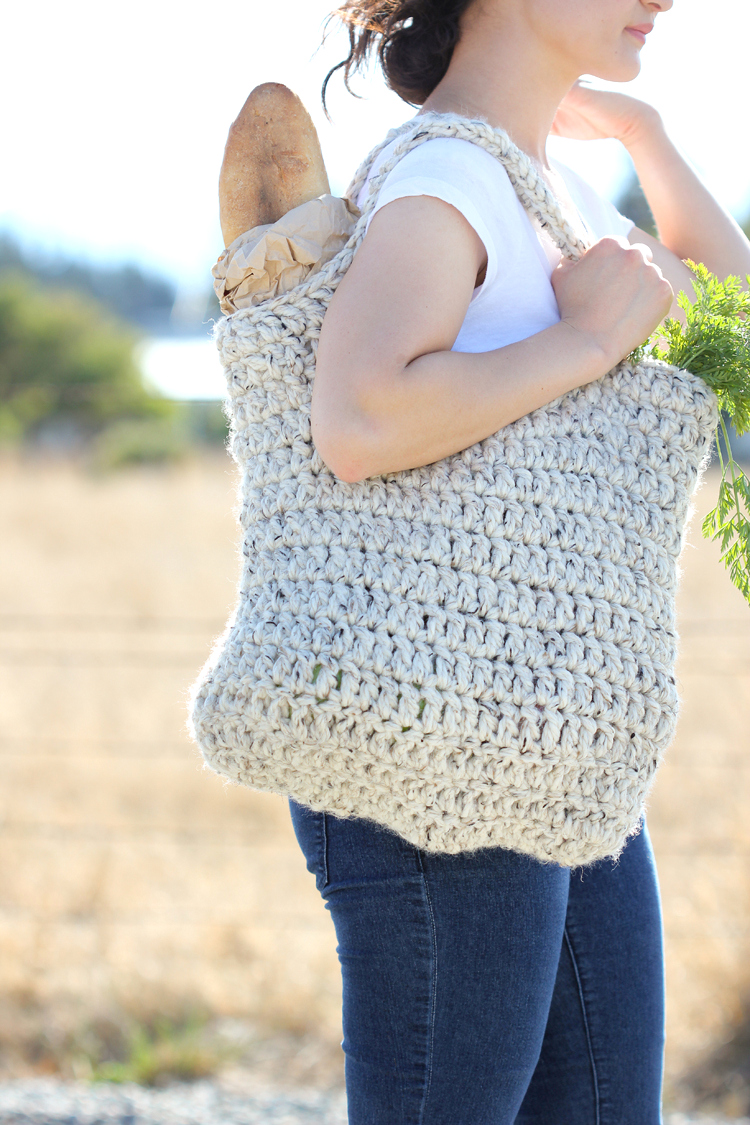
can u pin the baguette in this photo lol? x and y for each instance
(272, 161)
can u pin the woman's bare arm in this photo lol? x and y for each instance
(690, 222)
(389, 394)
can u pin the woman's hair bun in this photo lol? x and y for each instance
(414, 41)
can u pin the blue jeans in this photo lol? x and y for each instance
(488, 988)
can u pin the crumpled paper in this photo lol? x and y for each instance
(274, 258)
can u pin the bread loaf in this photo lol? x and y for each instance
(272, 161)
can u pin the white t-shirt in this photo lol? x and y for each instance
(516, 299)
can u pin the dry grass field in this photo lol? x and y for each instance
(130, 875)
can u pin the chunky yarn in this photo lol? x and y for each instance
(475, 653)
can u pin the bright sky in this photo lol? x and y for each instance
(116, 115)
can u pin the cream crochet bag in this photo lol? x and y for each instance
(479, 652)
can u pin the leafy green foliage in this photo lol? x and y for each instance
(714, 344)
(715, 341)
(729, 522)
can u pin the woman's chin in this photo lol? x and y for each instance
(623, 69)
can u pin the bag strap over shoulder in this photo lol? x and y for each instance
(530, 187)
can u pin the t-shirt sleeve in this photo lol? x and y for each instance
(461, 174)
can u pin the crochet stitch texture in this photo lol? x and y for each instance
(479, 652)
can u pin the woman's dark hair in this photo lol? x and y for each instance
(414, 40)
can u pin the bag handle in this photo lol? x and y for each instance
(530, 187)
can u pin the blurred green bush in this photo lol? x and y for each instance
(67, 367)
(163, 1053)
(132, 441)
(63, 356)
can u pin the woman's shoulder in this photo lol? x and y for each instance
(447, 157)
(450, 163)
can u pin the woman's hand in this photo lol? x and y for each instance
(614, 295)
(586, 114)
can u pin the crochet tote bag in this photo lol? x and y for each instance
(479, 652)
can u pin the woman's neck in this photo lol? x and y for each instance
(500, 72)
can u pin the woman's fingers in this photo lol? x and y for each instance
(644, 250)
(614, 293)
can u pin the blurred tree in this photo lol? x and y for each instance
(142, 297)
(63, 357)
(632, 203)
(146, 299)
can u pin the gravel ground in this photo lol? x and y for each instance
(43, 1101)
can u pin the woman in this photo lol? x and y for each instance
(487, 988)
